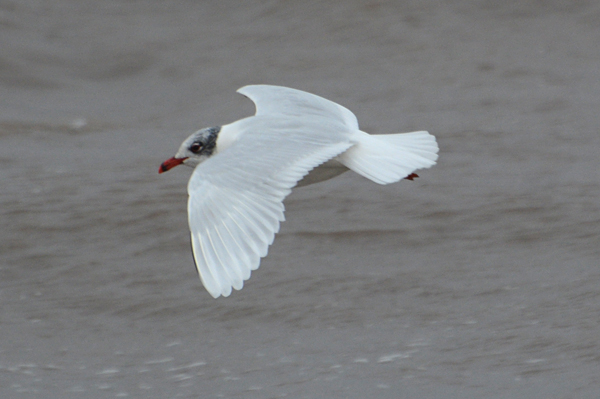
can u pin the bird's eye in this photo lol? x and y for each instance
(196, 147)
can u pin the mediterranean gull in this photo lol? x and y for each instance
(244, 170)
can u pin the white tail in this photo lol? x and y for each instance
(388, 158)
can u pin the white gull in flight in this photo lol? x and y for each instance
(244, 170)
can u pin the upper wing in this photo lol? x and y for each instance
(236, 196)
(277, 100)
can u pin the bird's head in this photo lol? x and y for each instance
(194, 150)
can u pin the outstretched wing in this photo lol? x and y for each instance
(277, 100)
(236, 196)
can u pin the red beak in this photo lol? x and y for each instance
(170, 163)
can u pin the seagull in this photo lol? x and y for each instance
(244, 170)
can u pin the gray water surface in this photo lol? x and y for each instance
(480, 279)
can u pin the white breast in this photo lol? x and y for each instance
(326, 171)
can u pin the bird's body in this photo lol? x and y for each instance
(244, 170)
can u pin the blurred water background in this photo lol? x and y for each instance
(480, 279)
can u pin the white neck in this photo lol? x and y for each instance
(228, 135)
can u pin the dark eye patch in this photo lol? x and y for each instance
(196, 147)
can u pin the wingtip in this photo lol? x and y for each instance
(242, 89)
